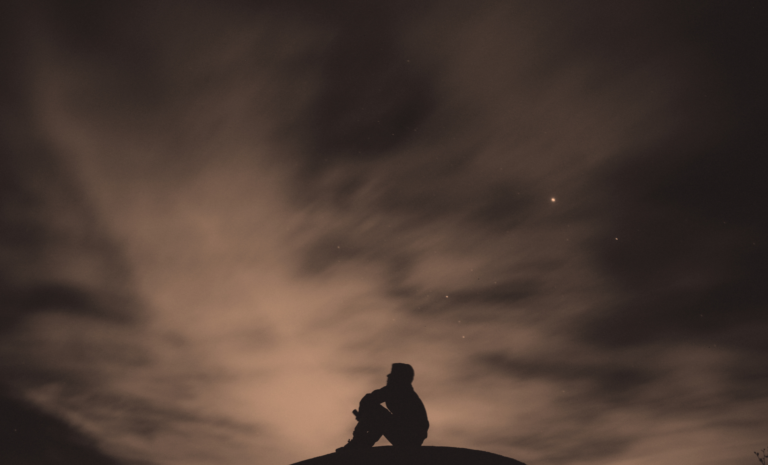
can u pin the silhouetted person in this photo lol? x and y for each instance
(405, 424)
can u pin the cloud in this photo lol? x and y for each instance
(34, 435)
(240, 214)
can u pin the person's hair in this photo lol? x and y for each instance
(402, 371)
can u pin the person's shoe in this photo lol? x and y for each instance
(353, 444)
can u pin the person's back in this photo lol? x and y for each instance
(404, 424)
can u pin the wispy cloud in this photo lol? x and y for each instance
(224, 221)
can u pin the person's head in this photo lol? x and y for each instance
(401, 374)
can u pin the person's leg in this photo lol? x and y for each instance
(372, 422)
(404, 435)
(400, 438)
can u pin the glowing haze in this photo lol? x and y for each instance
(223, 221)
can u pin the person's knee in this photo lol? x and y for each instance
(375, 414)
(370, 406)
(367, 402)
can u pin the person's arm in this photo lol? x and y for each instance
(376, 397)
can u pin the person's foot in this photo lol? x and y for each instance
(353, 444)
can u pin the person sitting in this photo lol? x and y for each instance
(405, 424)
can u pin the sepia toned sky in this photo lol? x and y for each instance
(222, 221)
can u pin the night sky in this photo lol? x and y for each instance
(222, 221)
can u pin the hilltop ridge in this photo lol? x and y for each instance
(424, 455)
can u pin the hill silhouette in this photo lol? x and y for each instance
(424, 455)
